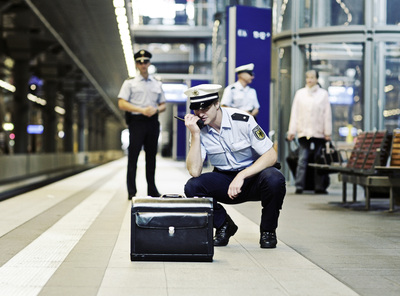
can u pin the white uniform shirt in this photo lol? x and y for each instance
(311, 114)
(240, 142)
(141, 92)
(237, 96)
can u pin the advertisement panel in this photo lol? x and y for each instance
(249, 41)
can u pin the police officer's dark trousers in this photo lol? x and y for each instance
(143, 132)
(268, 186)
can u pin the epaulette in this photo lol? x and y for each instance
(157, 78)
(240, 117)
(233, 87)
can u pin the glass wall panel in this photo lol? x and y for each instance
(283, 11)
(386, 12)
(283, 98)
(388, 86)
(340, 67)
(325, 13)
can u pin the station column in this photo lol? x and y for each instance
(20, 117)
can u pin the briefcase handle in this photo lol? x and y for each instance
(172, 195)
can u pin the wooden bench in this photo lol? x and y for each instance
(395, 152)
(392, 170)
(365, 165)
(348, 160)
(373, 163)
(366, 169)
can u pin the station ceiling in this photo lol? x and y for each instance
(78, 39)
(78, 42)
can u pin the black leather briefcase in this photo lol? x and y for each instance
(172, 229)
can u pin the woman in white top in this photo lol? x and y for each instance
(311, 121)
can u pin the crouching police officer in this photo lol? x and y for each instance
(244, 163)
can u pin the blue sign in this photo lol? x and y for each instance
(36, 129)
(175, 92)
(249, 41)
(341, 95)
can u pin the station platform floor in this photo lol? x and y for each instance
(72, 237)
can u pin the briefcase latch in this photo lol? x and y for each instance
(171, 230)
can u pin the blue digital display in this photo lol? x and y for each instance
(341, 95)
(35, 129)
(175, 92)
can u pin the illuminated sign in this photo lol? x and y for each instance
(256, 34)
(175, 92)
(36, 129)
(249, 41)
(341, 95)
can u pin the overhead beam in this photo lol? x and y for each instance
(76, 60)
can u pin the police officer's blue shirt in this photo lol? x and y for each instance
(237, 96)
(240, 142)
(141, 92)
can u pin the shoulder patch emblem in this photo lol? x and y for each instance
(240, 117)
(259, 133)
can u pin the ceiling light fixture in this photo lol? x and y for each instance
(7, 86)
(124, 33)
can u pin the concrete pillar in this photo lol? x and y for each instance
(68, 92)
(101, 131)
(82, 110)
(83, 126)
(92, 129)
(20, 114)
(50, 116)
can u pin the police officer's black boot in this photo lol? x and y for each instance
(268, 239)
(152, 191)
(223, 233)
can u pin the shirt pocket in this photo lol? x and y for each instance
(241, 150)
(137, 89)
(137, 95)
(156, 91)
(155, 94)
(217, 156)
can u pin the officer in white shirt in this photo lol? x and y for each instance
(239, 94)
(245, 163)
(142, 98)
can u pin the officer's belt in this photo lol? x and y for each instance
(231, 173)
(139, 117)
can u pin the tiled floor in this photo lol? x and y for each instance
(73, 238)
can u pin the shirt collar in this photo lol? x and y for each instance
(225, 123)
(312, 89)
(239, 85)
(141, 78)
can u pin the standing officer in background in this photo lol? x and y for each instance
(243, 159)
(311, 120)
(239, 94)
(142, 99)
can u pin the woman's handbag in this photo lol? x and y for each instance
(329, 155)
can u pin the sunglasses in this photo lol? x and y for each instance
(204, 110)
(144, 62)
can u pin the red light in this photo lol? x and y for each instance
(12, 136)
